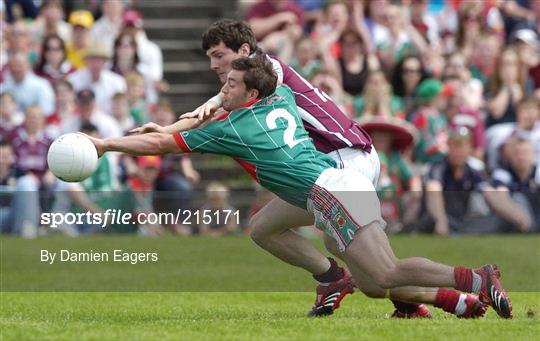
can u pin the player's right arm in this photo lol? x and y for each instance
(145, 144)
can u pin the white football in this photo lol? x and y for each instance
(72, 157)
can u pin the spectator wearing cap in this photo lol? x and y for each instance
(521, 180)
(452, 188)
(97, 77)
(519, 14)
(27, 88)
(107, 28)
(431, 122)
(81, 22)
(50, 21)
(141, 186)
(148, 51)
(88, 112)
(527, 45)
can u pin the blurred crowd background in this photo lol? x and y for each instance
(449, 91)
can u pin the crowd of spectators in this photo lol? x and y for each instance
(449, 91)
(81, 66)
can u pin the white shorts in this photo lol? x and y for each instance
(344, 200)
(362, 162)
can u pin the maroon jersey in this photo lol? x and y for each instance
(30, 157)
(325, 123)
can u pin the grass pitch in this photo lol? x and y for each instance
(247, 315)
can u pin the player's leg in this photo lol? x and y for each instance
(370, 253)
(409, 301)
(355, 224)
(271, 229)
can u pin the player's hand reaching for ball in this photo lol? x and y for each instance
(98, 143)
(203, 112)
(150, 127)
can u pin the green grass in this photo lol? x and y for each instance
(190, 311)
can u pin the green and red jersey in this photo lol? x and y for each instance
(268, 139)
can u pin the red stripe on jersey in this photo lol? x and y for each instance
(181, 143)
(247, 104)
(223, 116)
(251, 168)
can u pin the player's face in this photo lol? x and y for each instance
(234, 91)
(220, 60)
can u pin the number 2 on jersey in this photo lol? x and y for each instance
(288, 136)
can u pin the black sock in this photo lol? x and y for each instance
(403, 307)
(333, 274)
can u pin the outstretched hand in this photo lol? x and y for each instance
(98, 143)
(203, 112)
(150, 127)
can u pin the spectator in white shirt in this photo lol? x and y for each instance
(89, 113)
(97, 77)
(27, 88)
(108, 27)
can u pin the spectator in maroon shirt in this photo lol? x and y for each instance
(277, 24)
(19, 204)
(30, 144)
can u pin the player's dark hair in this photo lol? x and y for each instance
(233, 33)
(258, 74)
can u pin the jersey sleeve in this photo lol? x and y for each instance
(202, 140)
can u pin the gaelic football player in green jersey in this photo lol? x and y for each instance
(262, 130)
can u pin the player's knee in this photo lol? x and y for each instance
(256, 234)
